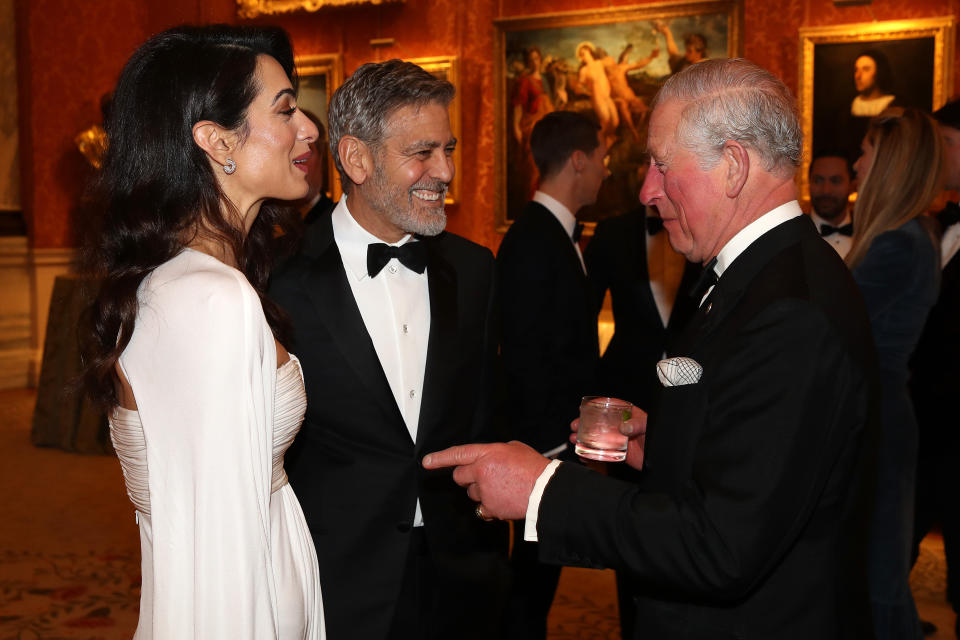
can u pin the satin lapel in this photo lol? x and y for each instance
(325, 284)
(442, 344)
(735, 280)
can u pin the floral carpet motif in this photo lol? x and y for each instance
(46, 596)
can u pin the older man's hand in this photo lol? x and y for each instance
(636, 431)
(498, 476)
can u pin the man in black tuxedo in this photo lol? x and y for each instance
(831, 183)
(650, 286)
(935, 381)
(549, 326)
(750, 517)
(394, 328)
(316, 204)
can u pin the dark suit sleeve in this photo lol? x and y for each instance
(526, 285)
(489, 421)
(766, 427)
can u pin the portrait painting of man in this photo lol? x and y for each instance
(855, 81)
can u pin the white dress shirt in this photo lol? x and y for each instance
(949, 244)
(730, 252)
(838, 241)
(563, 216)
(395, 307)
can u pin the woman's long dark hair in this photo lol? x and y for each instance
(157, 189)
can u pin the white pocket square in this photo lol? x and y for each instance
(676, 372)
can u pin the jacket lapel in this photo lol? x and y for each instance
(326, 286)
(735, 280)
(442, 343)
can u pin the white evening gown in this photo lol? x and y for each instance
(225, 548)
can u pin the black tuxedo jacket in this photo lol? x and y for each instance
(934, 376)
(617, 261)
(750, 518)
(354, 467)
(321, 208)
(548, 328)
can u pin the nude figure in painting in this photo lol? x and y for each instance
(594, 80)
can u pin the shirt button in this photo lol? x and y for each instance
(392, 268)
(412, 393)
(404, 328)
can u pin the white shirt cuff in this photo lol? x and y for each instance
(533, 502)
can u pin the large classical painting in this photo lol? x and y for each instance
(850, 73)
(320, 75)
(255, 8)
(608, 64)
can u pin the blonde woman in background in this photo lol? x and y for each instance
(895, 261)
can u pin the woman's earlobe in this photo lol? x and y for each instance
(215, 142)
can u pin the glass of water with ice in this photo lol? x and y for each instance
(598, 436)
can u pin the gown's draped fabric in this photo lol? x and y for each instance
(226, 552)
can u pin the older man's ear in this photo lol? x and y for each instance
(737, 158)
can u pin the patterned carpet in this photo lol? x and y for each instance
(69, 552)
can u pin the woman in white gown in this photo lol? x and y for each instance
(203, 400)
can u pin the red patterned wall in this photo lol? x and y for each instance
(70, 53)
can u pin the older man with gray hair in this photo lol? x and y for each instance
(394, 328)
(748, 520)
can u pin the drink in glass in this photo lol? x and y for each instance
(598, 436)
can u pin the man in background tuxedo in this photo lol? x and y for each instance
(548, 324)
(935, 381)
(831, 183)
(649, 284)
(316, 203)
(650, 290)
(750, 517)
(394, 327)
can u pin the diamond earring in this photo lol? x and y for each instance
(230, 166)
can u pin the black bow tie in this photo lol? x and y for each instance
(654, 225)
(577, 231)
(412, 255)
(708, 278)
(845, 230)
(949, 216)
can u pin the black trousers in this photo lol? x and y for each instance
(413, 614)
(534, 586)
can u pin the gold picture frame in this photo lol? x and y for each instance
(633, 32)
(320, 75)
(921, 50)
(256, 8)
(448, 68)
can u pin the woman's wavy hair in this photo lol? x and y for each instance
(902, 180)
(157, 189)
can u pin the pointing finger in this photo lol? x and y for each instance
(453, 456)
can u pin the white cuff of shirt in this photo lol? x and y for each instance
(533, 502)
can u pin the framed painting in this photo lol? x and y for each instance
(255, 8)
(320, 75)
(606, 63)
(447, 68)
(850, 73)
